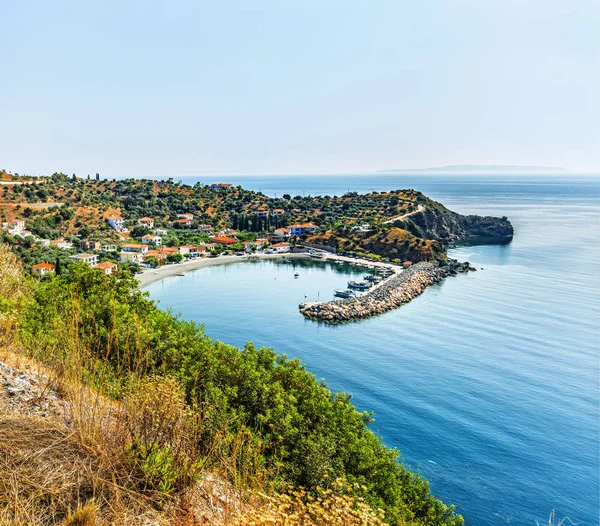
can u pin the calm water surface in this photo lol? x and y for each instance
(489, 382)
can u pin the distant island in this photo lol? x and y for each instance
(482, 169)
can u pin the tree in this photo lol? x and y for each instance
(152, 261)
(58, 267)
(139, 231)
(175, 258)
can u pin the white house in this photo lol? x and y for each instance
(106, 267)
(192, 250)
(108, 248)
(185, 216)
(90, 259)
(148, 222)
(17, 225)
(131, 257)
(23, 233)
(44, 242)
(115, 222)
(281, 247)
(161, 232)
(62, 244)
(148, 238)
(41, 269)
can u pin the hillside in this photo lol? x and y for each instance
(399, 225)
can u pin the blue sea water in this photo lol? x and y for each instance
(488, 383)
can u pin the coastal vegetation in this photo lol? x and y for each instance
(163, 405)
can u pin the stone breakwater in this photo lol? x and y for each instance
(394, 292)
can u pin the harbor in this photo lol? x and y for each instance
(396, 290)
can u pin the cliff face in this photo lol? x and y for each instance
(438, 223)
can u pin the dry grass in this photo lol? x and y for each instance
(49, 478)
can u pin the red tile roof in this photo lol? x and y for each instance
(223, 240)
(105, 265)
(43, 265)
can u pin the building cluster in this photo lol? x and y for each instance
(16, 229)
(151, 245)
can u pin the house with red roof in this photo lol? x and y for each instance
(106, 267)
(281, 247)
(42, 269)
(223, 240)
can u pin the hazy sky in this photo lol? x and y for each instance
(190, 87)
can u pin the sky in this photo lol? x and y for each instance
(188, 87)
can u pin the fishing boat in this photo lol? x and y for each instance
(369, 277)
(316, 255)
(296, 274)
(358, 285)
(344, 293)
(180, 274)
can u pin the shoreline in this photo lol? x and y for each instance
(152, 275)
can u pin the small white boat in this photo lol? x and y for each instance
(296, 274)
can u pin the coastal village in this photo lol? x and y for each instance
(154, 229)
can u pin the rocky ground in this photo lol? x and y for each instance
(393, 293)
(28, 392)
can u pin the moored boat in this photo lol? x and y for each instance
(359, 285)
(344, 293)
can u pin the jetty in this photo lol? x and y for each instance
(389, 294)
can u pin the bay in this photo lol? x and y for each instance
(489, 382)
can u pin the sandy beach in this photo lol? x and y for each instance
(152, 275)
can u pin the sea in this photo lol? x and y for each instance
(488, 383)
